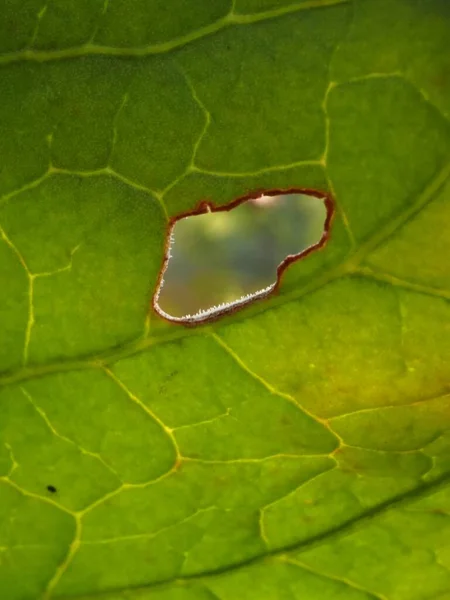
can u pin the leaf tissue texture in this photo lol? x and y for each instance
(297, 449)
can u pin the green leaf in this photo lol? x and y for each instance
(297, 449)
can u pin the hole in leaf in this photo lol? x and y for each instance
(219, 259)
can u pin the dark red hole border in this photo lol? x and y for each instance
(208, 206)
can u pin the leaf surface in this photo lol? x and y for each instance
(299, 448)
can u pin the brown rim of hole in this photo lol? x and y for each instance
(208, 206)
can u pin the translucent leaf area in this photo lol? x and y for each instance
(219, 260)
(296, 449)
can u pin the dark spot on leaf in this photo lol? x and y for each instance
(51, 489)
